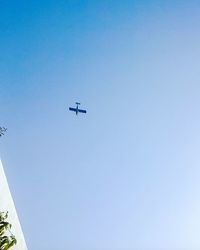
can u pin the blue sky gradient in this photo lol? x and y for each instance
(126, 175)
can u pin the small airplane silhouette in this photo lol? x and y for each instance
(2, 131)
(77, 110)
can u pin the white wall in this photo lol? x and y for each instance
(7, 204)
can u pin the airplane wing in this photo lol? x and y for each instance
(82, 111)
(72, 109)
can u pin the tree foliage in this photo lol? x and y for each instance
(7, 239)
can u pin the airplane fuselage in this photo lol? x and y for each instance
(77, 109)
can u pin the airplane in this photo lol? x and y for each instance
(77, 110)
(2, 131)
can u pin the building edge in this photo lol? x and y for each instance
(7, 204)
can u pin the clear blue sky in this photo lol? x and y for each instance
(126, 175)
